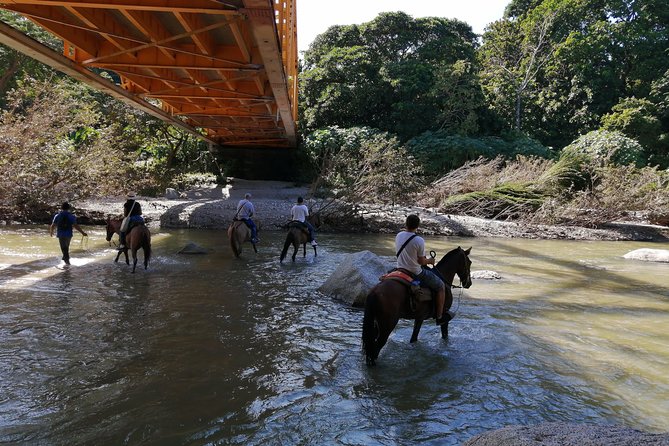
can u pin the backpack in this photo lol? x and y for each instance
(63, 223)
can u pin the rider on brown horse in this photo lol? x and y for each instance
(132, 213)
(299, 213)
(245, 211)
(411, 259)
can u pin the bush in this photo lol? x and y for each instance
(604, 148)
(439, 152)
(361, 164)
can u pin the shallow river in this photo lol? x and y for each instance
(207, 349)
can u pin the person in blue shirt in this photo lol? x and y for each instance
(245, 211)
(63, 222)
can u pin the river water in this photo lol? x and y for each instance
(211, 350)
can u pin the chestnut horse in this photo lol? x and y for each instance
(238, 233)
(138, 237)
(389, 301)
(298, 234)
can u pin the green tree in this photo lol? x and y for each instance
(596, 53)
(395, 73)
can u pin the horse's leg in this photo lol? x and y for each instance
(444, 330)
(296, 247)
(146, 259)
(117, 256)
(315, 253)
(385, 328)
(134, 259)
(253, 244)
(416, 328)
(304, 249)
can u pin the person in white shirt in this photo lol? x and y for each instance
(300, 212)
(411, 257)
(245, 211)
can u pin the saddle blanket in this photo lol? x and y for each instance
(416, 291)
(402, 276)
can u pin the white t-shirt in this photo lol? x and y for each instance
(408, 258)
(245, 209)
(299, 212)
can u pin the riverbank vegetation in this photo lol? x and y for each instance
(559, 112)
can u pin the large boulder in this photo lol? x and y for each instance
(649, 255)
(355, 276)
(567, 434)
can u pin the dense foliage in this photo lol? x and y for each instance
(579, 87)
(360, 164)
(395, 73)
(582, 82)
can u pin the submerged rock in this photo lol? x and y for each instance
(193, 248)
(355, 276)
(568, 434)
(649, 255)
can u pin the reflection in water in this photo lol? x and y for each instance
(212, 350)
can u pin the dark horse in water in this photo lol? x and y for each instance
(138, 237)
(389, 301)
(238, 233)
(298, 234)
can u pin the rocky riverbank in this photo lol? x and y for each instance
(214, 207)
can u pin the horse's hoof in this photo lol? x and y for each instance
(413, 340)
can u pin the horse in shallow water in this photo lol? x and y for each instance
(390, 300)
(138, 237)
(298, 234)
(238, 233)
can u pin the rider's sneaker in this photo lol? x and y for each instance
(313, 243)
(120, 247)
(255, 240)
(447, 316)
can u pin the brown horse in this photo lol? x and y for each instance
(389, 301)
(298, 234)
(238, 233)
(138, 237)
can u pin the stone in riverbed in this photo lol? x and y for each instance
(171, 194)
(193, 248)
(485, 275)
(649, 255)
(355, 276)
(568, 434)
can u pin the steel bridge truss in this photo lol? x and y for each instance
(223, 70)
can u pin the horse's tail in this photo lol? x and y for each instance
(369, 332)
(286, 245)
(234, 242)
(147, 246)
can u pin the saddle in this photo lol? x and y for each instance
(299, 225)
(241, 220)
(417, 292)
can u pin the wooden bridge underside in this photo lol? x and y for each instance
(225, 70)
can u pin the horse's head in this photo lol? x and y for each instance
(464, 272)
(457, 262)
(113, 226)
(315, 219)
